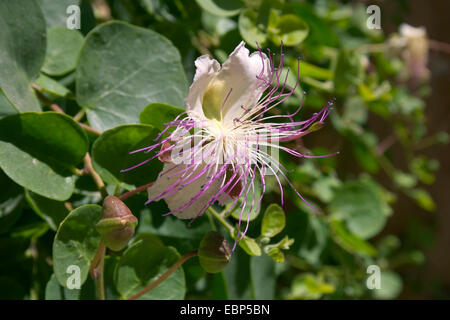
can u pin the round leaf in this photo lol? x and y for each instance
(251, 32)
(157, 114)
(36, 151)
(390, 286)
(251, 208)
(76, 242)
(50, 210)
(54, 291)
(223, 8)
(63, 46)
(361, 207)
(143, 263)
(116, 83)
(22, 47)
(290, 29)
(350, 241)
(273, 221)
(111, 154)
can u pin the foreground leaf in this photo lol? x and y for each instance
(115, 83)
(36, 158)
(133, 273)
(111, 154)
(76, 242)
(22, 47)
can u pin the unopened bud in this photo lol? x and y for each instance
(117, 224)
(214, 253)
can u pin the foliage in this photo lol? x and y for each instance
(108, 89)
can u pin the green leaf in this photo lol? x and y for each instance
(309, 286)
(142, 263)
(237, 275)
(289, 29)
(252, 207)
(311, 235)
(250, 30)
(391, 286)
(22, 47)
(110, 154)
(157, 114)
(350, 241)
(403, 179)
(423, 199)
(54, 291)
(348, 71)
(115, 83)
(250, 246)
(223, 8)
(263, 278)
(53, 212)
(76, 242)
(63, 46)
(309, 70)
(361, 207)
(55, 13)
(38, 149)
(273, 221)
(53, 87)
(6, 108)
(10, 203)
(325, 187)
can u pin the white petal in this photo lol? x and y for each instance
(412, 32)
(205, 72)
(240, 73)
(185, 194)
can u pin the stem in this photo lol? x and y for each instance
(98, 181)
(439, 46)
(221, 219)
(165, 275)
(97, 270)
(128, 194)
(385, 144)
(79, 115)
(58, 109)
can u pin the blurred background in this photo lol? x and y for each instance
(434, 277)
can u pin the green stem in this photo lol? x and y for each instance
(97, 270)
(165, 275)
(221, 220)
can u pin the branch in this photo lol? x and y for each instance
(128, 194)
(97, 179)
(165, 275)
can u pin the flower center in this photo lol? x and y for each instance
(214, 99)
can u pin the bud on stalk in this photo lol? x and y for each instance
(117, 223)
(214, 253)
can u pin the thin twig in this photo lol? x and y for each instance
(97, 269)
(97, 179)
(439, 46)
(165, 275)
(385, 144)
(128, 194)
(58, 109)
